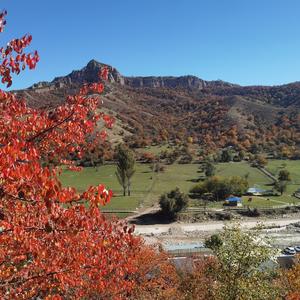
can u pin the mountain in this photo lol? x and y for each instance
(215, 113)
(90, 74)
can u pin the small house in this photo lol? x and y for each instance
(255, 191)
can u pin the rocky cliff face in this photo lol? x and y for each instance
(189, 82)
(90, 74)
(170, 82)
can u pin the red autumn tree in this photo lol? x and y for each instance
(156, 277)
(291, 281)
(55, 243)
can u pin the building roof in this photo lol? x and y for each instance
(255, 190)
(233, 199)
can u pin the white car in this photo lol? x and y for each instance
(289, 251)
(297, 248)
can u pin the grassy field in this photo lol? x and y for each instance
(258, 179)
(293, 166)
(255, 177)
(141, 183)
(148, 186)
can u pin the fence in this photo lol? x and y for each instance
(236, 209)
(190, 252)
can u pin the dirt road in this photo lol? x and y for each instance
(211, 227)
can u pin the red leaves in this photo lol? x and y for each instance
(104, 73)
(109, 121)
(93, 87)
(55, 240)
(13, 58)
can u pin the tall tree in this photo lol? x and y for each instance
(291, 281)
(55, 242)
(125, 168)
(210, 169)
(280, 186)
(241, 272)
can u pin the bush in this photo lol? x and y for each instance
(214, 242)
(210, 169)
(220, 188)
(186, 159)
(173, 202)
(223, 216)
(226, 155)
(284, 175)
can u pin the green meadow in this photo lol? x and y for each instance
(147, 186)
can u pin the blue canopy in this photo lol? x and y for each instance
(234, 199)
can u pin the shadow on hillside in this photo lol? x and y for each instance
(151, 219)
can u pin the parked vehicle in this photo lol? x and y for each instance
(297, 248)
(289, 251)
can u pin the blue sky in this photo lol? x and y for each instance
(248, 42)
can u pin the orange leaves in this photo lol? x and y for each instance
(13, 58)
(291, 279)
(93, 87)
(54, 297)
(54, 240)
(97, 195)
(104, 73)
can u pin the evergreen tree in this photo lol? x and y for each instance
(209, 169)
(125, 168)
(280, 186)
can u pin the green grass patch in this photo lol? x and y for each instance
(293, 166)
(141, 182)
(148, 186)
(255, 177)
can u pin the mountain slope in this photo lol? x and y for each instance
(215, 113)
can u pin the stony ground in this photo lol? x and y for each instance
(284, 231)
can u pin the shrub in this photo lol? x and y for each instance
(173, 202)
(226, 155)
(220, 188)
(210, 169)
(284, 175)
(213, 242)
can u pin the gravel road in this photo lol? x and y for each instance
(211, 227)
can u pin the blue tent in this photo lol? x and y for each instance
(234, 199)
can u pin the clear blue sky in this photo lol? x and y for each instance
(242, 41)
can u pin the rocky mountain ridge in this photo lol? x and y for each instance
(215, 113)
(90, 74)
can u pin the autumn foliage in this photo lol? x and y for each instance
(291, 280)
(54, 241)
(13, 57)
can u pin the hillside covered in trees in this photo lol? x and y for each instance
(215, 114)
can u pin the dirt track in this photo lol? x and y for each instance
(282, 232)
(209, 226)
